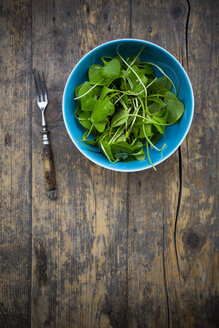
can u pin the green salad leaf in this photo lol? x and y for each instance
(87, 103)
(111, 69)
(102, 109)
(126, 108)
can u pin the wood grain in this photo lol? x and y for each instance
(115, 249)
(15, 165)
(153, 197)
(189, 228)
(79, 242)
(197, 225)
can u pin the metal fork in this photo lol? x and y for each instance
(42, 102)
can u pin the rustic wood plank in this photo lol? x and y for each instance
(80, 257)
(189, 204)
(152, 260)
(197, 224)
(15, 164)
(191, 267)
(79, 242)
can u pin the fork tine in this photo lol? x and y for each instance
(40, 87)
(36, 85)
(44, 86)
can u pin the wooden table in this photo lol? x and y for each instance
(116, 249)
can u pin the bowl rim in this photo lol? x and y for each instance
(185, 133)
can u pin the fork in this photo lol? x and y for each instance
(42, 102)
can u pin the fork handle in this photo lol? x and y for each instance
(48, 165)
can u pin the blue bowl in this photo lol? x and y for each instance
(174, 135)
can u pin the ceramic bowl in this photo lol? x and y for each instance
(174, 134)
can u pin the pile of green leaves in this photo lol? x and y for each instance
(126, 107)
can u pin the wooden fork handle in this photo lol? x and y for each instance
(48, 166)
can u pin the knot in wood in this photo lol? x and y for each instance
(177, 11)
(69, 13)
(8, 139)
(192, 240)
(46, 323)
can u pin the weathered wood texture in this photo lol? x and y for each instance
(114, 250)
(80, 241)
(187, 208)
(15, 164)
(197, 225)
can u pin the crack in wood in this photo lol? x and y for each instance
(165, 280)
(187, 25)
(178, 207)
(179, 150)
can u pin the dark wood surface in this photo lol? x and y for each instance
(136, 250)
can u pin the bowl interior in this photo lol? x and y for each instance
(174, 134)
